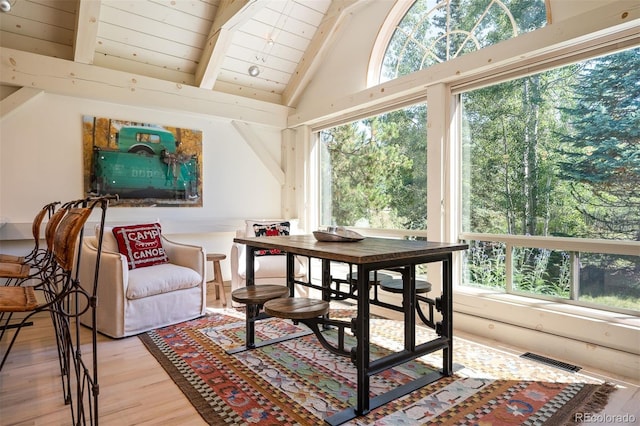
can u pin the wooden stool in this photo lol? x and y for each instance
(259, 294)
(217, 275)
(254, 296)
(312, 313)
(296, 308)
(396, 285)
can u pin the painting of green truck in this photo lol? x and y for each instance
(144, 162)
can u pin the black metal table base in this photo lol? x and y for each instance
(269, 342)
(378, 401)
(368, 256)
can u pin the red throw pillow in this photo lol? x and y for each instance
(141, 244)
(269, 230)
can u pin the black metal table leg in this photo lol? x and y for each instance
(362, 344)
(447, 314)
(250, 338)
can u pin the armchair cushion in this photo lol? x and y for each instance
(141, 244)
(145, 282)
(250, 225)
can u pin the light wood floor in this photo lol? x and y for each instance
(134, 389)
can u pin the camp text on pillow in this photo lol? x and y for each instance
(141, 244)
(147, 243)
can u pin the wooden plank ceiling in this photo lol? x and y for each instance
(209, 44)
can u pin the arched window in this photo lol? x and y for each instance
(545, 175)
(429, 32)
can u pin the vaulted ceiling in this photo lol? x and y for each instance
(195, 55)
(208, 44)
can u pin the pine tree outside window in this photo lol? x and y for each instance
(549, 167)
(556, 154)
(374, 170)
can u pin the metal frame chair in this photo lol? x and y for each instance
(382, 281)
(65, 300)
(18, 269)
(37, 252)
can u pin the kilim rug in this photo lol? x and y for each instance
(297, 382)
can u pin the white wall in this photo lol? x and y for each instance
(344, 70)
(564, 9)
(41, 161)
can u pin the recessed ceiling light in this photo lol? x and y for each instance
(254, 71)
(5, 6)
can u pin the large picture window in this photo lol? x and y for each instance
(374, 172)
(549, 188)
(556, 154)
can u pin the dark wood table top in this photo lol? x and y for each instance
(368, 250)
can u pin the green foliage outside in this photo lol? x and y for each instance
(435, 31)
(550, 154)
(558, 154)
(375, 172)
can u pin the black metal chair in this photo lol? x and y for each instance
(32, 257)
(65, 300)
(18, 269)
(395, 285)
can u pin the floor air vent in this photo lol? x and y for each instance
(552, 362)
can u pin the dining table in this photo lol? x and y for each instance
(367, 255)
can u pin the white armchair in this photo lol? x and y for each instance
(137, 300)
(269, 269)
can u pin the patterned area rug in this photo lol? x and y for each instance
(297, 382)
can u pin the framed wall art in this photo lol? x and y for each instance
(144, 164)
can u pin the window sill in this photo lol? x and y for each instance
(559, 307)
(608, 329)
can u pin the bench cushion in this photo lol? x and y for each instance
(270, 229)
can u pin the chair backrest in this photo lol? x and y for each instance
(35, 227)
(52, 226)
(66, 236)
(37, 222)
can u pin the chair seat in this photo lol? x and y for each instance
(394, 284)
(271, 266)
(14, 270)
(158, 279)
(397, 286)
(9, 258)
(259, 294)
(296, 308)
(17, 299)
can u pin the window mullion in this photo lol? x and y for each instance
(508, 264)
(575, 276)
